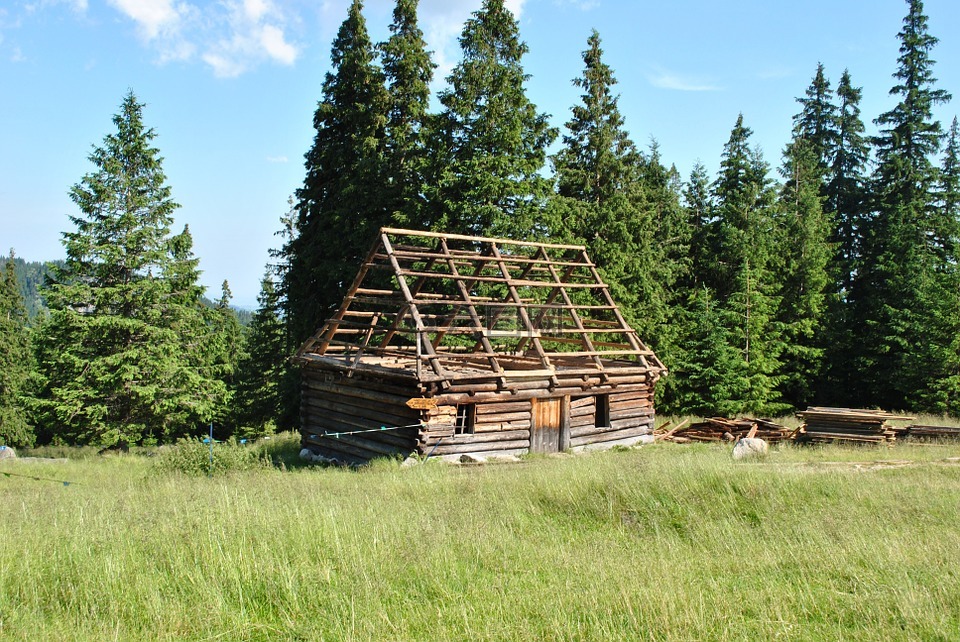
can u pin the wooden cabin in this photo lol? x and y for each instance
(448, 344)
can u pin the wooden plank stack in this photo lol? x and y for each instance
(930, 433)
(826, 425)
(723, 429)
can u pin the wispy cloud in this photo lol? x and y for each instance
(666, 79)
(277, 159)
(582, 5)
(231, 37)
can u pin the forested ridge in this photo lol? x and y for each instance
(826, 276)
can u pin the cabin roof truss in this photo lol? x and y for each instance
(448, 308)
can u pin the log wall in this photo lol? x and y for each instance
(333, 403)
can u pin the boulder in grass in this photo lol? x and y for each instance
(750, 448)
(6, 452)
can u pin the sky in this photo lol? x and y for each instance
(230, 88)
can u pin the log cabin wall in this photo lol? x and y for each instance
(332, 404)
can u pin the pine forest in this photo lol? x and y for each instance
(826, 276)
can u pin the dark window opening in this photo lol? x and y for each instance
(466, 419)
(602, 419)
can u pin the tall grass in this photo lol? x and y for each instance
(667, 542)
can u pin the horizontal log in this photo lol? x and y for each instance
(342, 448)
(514, 452)
(617, 397)
(481, 438)
(385, 414)
(509, 406)
(503, 417)
(615, 435)
(626, 413)
(632, 421)
(452, 449)
(358, 390)
(586, 431)
(513, 425)
(581, 421)
(583, 411)
(583, 402)
(318, 425)
(359, 441)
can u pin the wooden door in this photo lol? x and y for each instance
(545, 427)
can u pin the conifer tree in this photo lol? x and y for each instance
(804, 274)
(846, 192)
(699, 207)
(893, 286)
(341, 204)
(943, 391)
(599, 200)
(263, 369)
(490, 142)
(16, 361)
(408, 71)
(817, 121)
(745, 283)
(111, 354)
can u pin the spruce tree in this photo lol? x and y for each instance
(16, 361)
(943, 391)
(341, 204)
(489, 142)
(804, 273)
(408, 71)
(817, 121)
(893, 290)
(745, 282)
(263, 370)
(599, 200)
(112, 352)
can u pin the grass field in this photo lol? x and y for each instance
(668, 542)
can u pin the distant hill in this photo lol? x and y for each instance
(31, 276)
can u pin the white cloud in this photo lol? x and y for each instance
(670, 80)
(277, 159)
(256, 34)
(231, 36)
(153, 17)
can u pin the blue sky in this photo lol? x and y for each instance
(231, 86)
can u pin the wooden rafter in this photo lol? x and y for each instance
(441, 281)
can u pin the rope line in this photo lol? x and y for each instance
(59, 481)
(336, 435)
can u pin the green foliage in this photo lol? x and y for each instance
(191, 456)
(897, 285)
(122, 354)
(264, 372)
(341, 204)
(804, 273)
(489, 143)
(408, 71)
(16, 361)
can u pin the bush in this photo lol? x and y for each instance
(191, 456)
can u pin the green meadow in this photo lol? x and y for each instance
(665, 542)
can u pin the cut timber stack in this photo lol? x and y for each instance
(930, 433)
(722, 429)
(823, 425)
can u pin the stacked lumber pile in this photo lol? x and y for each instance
(825, 425)
(723, 429)
(931, 433)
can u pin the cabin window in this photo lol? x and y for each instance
(602, 418)
(466, 419)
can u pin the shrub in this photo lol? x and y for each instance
(191, 456)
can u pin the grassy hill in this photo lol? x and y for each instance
(668, 542)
